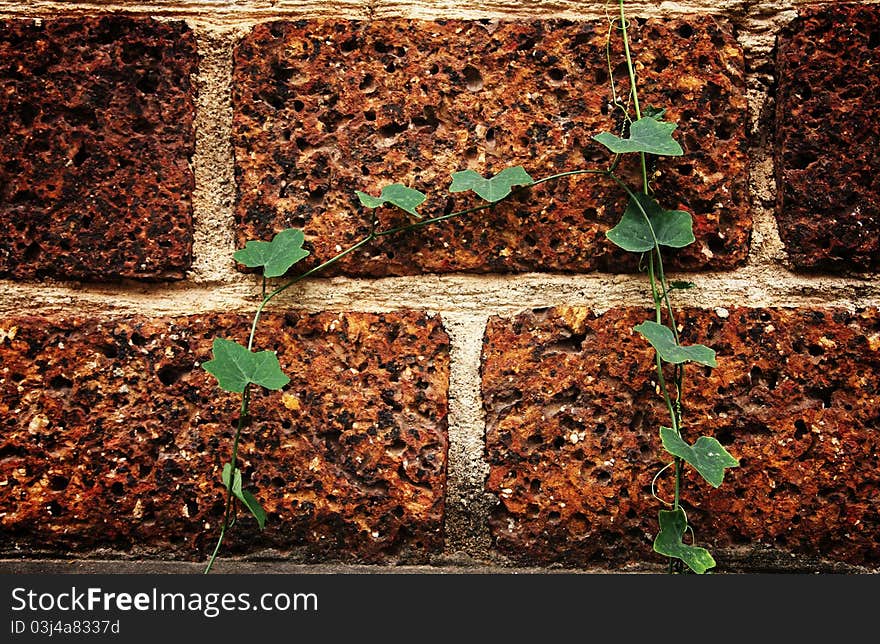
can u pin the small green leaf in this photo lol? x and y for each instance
(673, 228)
(707, 455)
(494, 189)
(234, 367)
(673, 524)
(656, 113)
(248, 499)
(645, 135)
(277, 256)
(679, 285)
(396, 194)
(663, 341)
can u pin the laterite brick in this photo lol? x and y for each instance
(96, 138)
(326, 107)
(828, 131)
(573, 416)
(114, 437)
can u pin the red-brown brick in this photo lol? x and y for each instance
(96, 136)
(325, 107)
(114, 437)
(573, 420)
(828, 133)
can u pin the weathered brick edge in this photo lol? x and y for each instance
(326, 107)
(573, 419)
(827, 134)
(114, 437)
(96, 138)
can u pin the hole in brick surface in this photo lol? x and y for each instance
(148, 83)
(396, 449)
(874, 39)
(60, 383)
(117, 488)
(392, 129)
(370, 115)
(58, 483)
(803, 160)
(724, 436)
(556, 75)
(170, 375)
(800, 429)
(192, 508)
(55, 509)
(32, 251)
(80, 157)
(473, 80)
(348, 46)
(316, 196)
(685, 31)
(109, 351)
(368, 84)
(554, 517)
(298, 105)
(28, 114)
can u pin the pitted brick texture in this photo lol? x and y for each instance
(828, 132)
(573, 421)
(96, 136)
(114, 437)
(323, 108)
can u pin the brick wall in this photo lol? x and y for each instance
(470, 394)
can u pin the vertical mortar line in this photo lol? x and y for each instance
(214, 195)
(757, 35)
(467, 503)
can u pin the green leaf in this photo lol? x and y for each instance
(707, 455)
(248, 499)
(673, 228)
(396, 194)
(673, 523)
(277, 256)
(234, 367)
(679, 285)
(656, 113)
(663, 341)
(494, 189)
(645, 135)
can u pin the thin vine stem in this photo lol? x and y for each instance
(371, 236)
(673, 408)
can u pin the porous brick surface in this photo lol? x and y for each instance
(96, 136)
(326, 107)
(114, 437)
(828, 131)
(573, 419)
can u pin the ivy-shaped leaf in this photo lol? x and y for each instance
(396, 194)
(277, 256)
(494, 189)
(235, 367)
(656, 113)
(707, 455)
(673, 524)
(673, 228)
(680, 285)
(663, 341)
(645, 135)
(248, 499)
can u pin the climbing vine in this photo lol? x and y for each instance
(644, 228)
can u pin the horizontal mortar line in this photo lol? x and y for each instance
(244, 13)
(752, 286)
